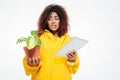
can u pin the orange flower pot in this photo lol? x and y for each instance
(34, 52)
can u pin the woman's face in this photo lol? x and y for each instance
(53, 22)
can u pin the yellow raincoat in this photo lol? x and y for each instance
(52, 67)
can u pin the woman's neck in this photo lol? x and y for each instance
(55, 35)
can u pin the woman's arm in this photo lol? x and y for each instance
(31, 61)
(30, 69)
(73, 62)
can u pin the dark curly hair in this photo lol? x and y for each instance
(42, 22)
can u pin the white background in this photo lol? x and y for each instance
(98, 21)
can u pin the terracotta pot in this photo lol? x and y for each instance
(34, 52)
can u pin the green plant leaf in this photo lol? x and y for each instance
(38, 41)
(31, 41)
(22, 39)
(34, 32)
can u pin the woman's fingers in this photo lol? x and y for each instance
(71, 56)
(33, 61)
(37, 60)
(29, 61)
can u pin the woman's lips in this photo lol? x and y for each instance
(53, 25)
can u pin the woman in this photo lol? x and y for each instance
(52, 28)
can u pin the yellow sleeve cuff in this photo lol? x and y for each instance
(30, 69)
(71, 63)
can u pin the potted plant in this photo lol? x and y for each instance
(32, 48)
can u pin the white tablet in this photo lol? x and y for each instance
(74, 44)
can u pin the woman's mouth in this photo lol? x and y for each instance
(53, 25)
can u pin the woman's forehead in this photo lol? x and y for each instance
(53, 14)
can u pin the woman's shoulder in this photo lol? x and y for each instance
(66, 37)
(41, 36)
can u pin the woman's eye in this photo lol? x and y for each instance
(57, 19)
(49, 19)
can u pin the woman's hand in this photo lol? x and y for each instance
(71, 56)
(32, 55)
(34, 61)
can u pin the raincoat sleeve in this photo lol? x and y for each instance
(30, 69)
(73, 66)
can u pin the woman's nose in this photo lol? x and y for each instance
(53, 21)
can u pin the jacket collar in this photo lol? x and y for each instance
(49, 34)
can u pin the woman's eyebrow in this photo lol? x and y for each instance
(53, 16)
(56, 16)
